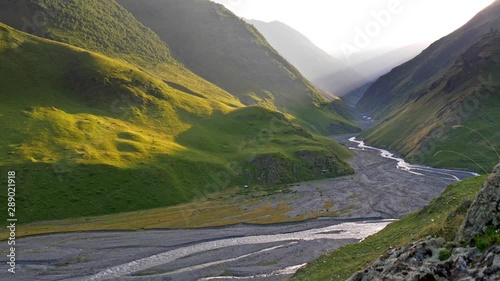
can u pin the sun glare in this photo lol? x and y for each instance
(386, 23)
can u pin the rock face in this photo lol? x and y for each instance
(485, 211)
(435, 259)
(421, 262)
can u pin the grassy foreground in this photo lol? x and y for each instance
(441, 218)
(218, 209)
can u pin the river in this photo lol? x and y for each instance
(384, 188)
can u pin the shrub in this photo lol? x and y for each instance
(444, 254)
(489, 238)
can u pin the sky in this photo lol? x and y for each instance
(342, 27)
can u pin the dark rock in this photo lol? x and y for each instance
(420, 260)
(484, 210)
(465, 264)
(427, 277)
(461, 264)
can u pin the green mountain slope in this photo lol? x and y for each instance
(218, 46)
(429, 128)
(441, 108)
(90, 135)
(106, 27)
(442, 218)
(396, 88)
(432, 122)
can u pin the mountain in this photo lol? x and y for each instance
(355, 95)
(319, 67)
(378, 62)
(392, 90)
(437, 107)
(116, 34)
(220, 47)
(100, 118)
(432, 122)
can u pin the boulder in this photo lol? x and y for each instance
(484, 211)
(421, 261)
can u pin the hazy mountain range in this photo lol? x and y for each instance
(319, 67)
(374, 63)
(345, 77)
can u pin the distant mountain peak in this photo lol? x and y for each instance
(323, 70)
(225, 50)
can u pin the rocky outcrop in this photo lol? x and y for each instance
(436, 260)
(430, 260)
(485, 211)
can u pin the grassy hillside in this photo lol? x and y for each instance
(220, 47)
(90, 135)
(107, 28)
(442, 218)
(355, 96)
(396, 88)
(425, 129)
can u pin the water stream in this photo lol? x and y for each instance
(405, 166)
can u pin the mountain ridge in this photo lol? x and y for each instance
(319, 67)
(223, 57)
(434, 107)
(444, 53)
(92, 134)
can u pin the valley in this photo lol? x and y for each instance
(181, 140)
(328, 213)
(431, 108)
(271, 252)
(103, 132)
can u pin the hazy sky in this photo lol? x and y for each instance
(340, 26)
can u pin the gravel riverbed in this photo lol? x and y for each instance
(362, 204)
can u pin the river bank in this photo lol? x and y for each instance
(259, 252)
(383, 187)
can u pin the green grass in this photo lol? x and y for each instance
(441, 218)
(252, 70)
(106, 27)
(222, 48)
(491, 237)
(422, 130)
(217, 210)
(93, 135)
(444, 254)
(66, 24)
